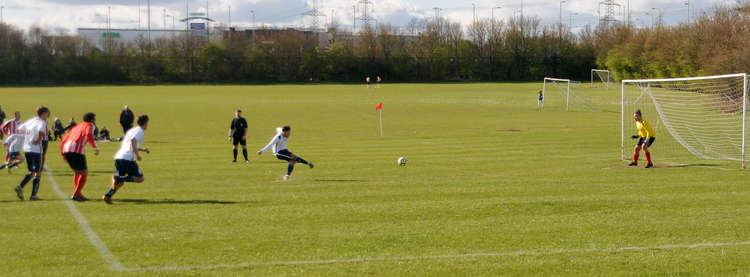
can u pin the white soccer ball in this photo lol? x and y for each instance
(401, 161)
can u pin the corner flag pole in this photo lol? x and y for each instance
(381, 122)
(379, 108)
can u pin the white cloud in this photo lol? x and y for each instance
(72, 14)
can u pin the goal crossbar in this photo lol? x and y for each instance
(683, 79)
(743, 112)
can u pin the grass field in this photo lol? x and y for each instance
(493, 187)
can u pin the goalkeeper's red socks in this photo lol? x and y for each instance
(648, 157)
(635, 157)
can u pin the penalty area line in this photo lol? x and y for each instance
(446, 257)
(97, 242)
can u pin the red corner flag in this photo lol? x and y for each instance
(379, 106)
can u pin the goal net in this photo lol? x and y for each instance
(562, 93)
(600, 76)
(701, 117)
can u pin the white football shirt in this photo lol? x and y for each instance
(14, 142)
(31, 129)
(126, 152)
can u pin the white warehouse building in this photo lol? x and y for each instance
(99, 36)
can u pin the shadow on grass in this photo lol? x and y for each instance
(339, 180)
(667, 165)
(26, 200)
(173, 201)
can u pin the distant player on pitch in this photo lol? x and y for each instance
(540, 101)
(35, 131)
(645, 139)
(72, 149)
(278, 143)
(126, 168)
(238, 135)
(367, 80)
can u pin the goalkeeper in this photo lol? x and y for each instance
(645, 139)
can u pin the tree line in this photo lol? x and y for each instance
(516, 49)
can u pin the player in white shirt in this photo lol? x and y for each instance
(34, 131)
(13, 144)
(126, 168)
(278, 144)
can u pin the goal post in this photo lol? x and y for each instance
(564, 88)
(601, 75)
(703, 117)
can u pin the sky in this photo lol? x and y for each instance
(68, 15)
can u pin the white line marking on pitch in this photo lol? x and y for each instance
(86, 228)
(434, 257)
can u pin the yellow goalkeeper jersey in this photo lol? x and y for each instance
(644, 129)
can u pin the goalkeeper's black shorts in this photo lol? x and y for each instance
(641, 141)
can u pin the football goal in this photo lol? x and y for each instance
(600, 76)
(561, 93)
(703, 117)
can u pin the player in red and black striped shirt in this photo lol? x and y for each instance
(10, 127)
(72, 149)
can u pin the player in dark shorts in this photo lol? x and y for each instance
(72, 149)
(646, 138)
(34, 131)
(126, 168)
(238, 135)
(280, 150)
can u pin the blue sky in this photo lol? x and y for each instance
(67, 15)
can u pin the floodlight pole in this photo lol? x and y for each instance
(1, 13)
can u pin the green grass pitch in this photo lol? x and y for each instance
(493, 187)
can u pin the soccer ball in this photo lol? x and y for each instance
(401, 161)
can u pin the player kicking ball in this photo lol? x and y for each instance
(278, 143)
(126, 169)
(645, 139)
(72, 149)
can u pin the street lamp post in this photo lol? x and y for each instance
(252, 13)
(561, 3)
(687, 3)
(493, 12)
(1, 13)
(149, 22)
(474, 6)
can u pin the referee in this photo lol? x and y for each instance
(238, 135)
